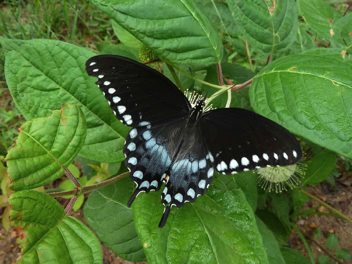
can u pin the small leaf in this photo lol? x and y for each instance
(48, 235)
(42, 75)
(188, 37)
(343, 254)
(219, 227)
(342, 29)
(270, 244)
(323, 260)
(267, 25)
(310, 95)
(120, 49)
(317, 233)
(6, 218)
(78, 203)
(321, 21)
(74, 170)
(319, 168)
(107, 214)
(332, 241)
(45, 146)
(293, 257)
(124, 36)
(298, 199)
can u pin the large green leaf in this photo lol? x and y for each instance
(319, 16)
(248, 183)
(45, 146)
(319, 168)
(267, 25)
(107, 214)
(48, 235)
(309, 94)
(175, 30)
(44, 74)
(270, 243)
(219, 227)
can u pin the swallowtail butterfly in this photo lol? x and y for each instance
(180, 142)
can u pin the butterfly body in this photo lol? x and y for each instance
(179, 142)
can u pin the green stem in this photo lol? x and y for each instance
(90, 188)
(327, 206)
(304, 242)
(177, 80)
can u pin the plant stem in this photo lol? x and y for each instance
(248, 55)
(327, 206)
(304, 242)
(323, 249)
(221, 80)
(72, 178)
(88, 188)
(241, 86)
(70, 204)
(179, 84)
(198, 80)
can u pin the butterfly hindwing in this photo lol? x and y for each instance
(241, 140)
(136, 93)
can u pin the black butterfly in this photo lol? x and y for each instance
(178, 142)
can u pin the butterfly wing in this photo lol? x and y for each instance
(241, 140)
(191, 172)
(149, 151)
(138, 94)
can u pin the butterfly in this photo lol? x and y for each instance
(181, 142)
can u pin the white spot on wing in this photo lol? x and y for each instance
(179, 197)
(223, 165)
(144, 184)
(144, 123)
(111, 91)
(276, 156)
(121, 109)
(95, 70)
(244, 161)
(168, 198)
(131, 146)
(211, 157)
(154, 183)
(202, 164)
(201, 184)
(147, 135)
(210, 172)
(106, 83)
(265, 156)
(194, 166)
(100, 76)
(191, 193)
(255, 158)
(285, 155)
(165, 191)
(294, 153)
(133, 161)
(133, 133)
(115, 99)
(138, 174)
(92, 63)
(150, 143)
(233, 164)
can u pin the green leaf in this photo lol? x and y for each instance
(319, 168)
(280, 203)
(293, 257)
(120, 49)
(45, 146)
(317, 233)
(219, 227)
(74, 170)
(266, 26)
(332, 241)
(323, 260)
(343, 254)
(303, 42)
(107, 214)
(248, 183)
(270, 244)
(310, 95)
(175, 30)
(342, 32)
(48, 235)
(319, 16)
(275, 226)
(44, 74)
(78, 203)
(124, 36)
(298, 199)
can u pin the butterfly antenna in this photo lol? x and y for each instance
(165, 216)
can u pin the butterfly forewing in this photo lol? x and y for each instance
(241, 140)
(136, 93)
